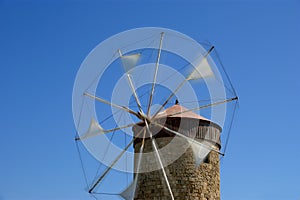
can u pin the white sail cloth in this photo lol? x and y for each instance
(203, 70)
(128, 193)
(200, 151)
(94, 130)
(129, 61)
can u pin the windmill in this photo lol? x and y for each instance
(150, 105)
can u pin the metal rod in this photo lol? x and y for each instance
(120, 53)
(179, 86)
(209, 51)
(112, 104)
(155, 73)
(159, 160)
(113, 163)
(132, 87)
(134, 93)
(169, 98)
(139, 163)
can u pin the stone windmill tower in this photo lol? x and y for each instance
(187, 180)
(176, 151)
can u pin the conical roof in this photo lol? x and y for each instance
(179, 111)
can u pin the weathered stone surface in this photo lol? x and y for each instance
(187, 182)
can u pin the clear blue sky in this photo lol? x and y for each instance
(42, 44)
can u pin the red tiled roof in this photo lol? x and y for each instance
(175, 111)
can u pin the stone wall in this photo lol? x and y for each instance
(187, 182)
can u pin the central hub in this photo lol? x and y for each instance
(143, 117)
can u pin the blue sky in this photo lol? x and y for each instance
(42, 44)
